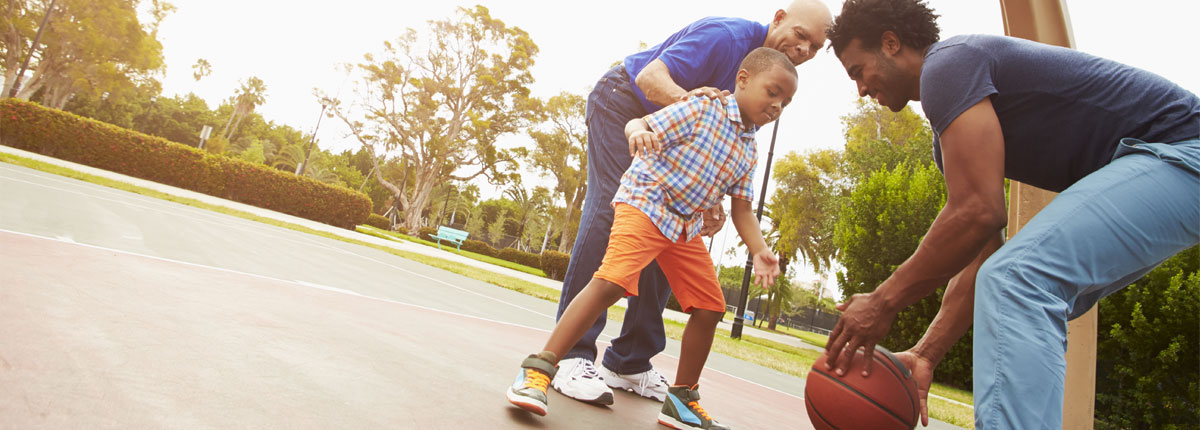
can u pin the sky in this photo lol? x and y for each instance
(296, 47)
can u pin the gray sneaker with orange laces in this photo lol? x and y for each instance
(682, 410)
(529, 390)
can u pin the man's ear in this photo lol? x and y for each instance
(889, 43)
(779, 16)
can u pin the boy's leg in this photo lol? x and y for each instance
(627, 361)
(690, 270)
(579, 316)
(1093, 239)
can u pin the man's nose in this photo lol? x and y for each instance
(862, 89)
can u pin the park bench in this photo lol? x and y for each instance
(450, 235)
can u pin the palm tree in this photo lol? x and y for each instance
(252, 94)
(201, 69)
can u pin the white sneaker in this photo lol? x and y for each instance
(649, 384)
(577, 379)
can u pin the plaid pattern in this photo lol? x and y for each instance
(707, 153)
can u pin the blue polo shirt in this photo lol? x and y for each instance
(706, 53)
(1062, 112)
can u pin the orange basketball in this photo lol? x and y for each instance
(883, 401)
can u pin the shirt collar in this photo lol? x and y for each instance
(735, 114)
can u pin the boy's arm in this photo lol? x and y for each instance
(766, 264)
(672, 124)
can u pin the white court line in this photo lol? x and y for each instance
(342, 291)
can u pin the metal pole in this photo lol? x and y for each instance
(33, 47)
(313, 140)
(736, 333)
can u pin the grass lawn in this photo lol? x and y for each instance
(781, 357)
(366, 229)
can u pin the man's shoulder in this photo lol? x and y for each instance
(734, 29)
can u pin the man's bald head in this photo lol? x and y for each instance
(799, 30)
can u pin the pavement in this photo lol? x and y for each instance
(124, 311)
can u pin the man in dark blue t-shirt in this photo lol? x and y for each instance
(702, 58)
(1121, 145)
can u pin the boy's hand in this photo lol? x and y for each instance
(643, 142)
(714, 219)
(766, 268)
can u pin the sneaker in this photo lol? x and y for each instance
(649, 384)
(682, 410)
(529, 390)
(577, 379)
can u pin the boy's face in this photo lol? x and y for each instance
(762, 96)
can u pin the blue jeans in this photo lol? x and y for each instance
(1098, 236)
(610, 106)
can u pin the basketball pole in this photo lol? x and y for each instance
(736, 332)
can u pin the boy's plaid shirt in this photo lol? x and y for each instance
(707, 153)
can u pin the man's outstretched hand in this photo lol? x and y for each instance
(864, 322)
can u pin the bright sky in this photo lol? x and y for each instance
(297, 46)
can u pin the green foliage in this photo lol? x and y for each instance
(379, 221)
(70, 137)
(560, 152)
(554, 263)
(520, 257)
(877, 229)
(877, 138)
(495, 231)
(427, 233)
(475, 224)
(1148, 354)
(807, 194)
(479, 247)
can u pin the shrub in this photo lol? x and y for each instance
(379, 221)
(478, 247)
(554, 263)
(63, 135)
(427, 233)
(520, 257)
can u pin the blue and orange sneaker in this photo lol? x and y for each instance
(529, 390)
(682, 410)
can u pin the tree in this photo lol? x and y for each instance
(495, 230)
(1149, 350)
(878, 228)
(252, 94)
(201, 69)
(93, 46)
(806, 198)
(560, 151)
(877, 138)
(441, 100)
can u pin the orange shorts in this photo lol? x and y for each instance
(635, 241)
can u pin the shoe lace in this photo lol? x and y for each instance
(586, 370)
(535, 379)
(699, 410)
(651, 377)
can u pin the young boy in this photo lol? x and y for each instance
(688, 157)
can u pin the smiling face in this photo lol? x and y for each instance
(762, 96)
(877, 74)
(799, 32)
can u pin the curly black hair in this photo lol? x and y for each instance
(912, 21)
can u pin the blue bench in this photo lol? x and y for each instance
(450, 235)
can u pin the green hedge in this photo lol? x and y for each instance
(554, 263)
(520, 257)
(478, 247)
(379, 221)
(70, 137)
(427, 233)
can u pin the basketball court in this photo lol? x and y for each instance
(119, 310)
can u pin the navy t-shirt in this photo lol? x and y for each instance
(706, 53)
(1062, 111)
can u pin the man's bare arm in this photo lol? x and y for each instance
(657, 85)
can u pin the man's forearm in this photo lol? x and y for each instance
(957, 312)
(956, 237)
(656, 84)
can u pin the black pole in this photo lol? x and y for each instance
(33, 47)
(736, 333)
(313, 140)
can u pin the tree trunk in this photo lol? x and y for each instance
(567, 240)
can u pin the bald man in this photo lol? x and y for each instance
(700, 59)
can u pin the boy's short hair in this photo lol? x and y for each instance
(866, 20)
(762, 59)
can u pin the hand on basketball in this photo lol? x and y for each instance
(714, 219)
(643, 142)
(863, 323)
(922, 370)
(766, 268)
(709, 92)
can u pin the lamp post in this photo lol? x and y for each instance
(311, 141)
(32, 47)
(736, 332)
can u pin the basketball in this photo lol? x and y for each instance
(883, 401)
